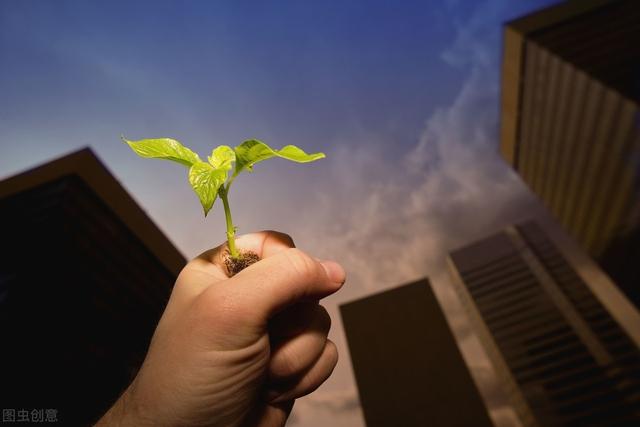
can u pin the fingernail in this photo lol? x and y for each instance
(335, 272)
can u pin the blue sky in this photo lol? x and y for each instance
(321, 75)
(223, 71)
(401, 95)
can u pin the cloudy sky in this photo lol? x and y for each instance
(402, 96)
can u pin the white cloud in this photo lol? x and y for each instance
(397, 220)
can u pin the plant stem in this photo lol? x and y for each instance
(231, 231)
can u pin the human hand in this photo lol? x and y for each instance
(236, 351)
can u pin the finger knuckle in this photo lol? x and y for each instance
(282, 237)
(332, 353)
(324, 319)
(289, 363)
(303, 265)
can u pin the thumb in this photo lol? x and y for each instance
(281, 280)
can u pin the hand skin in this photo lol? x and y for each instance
(236, 351)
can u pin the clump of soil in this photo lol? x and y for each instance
(236, 265)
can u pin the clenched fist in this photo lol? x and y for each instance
(236, 351)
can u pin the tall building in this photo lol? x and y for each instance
(84, 277)
(407, 365)
(567, 354)
(570, 123)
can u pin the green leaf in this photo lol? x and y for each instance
(253, 151)
(164, 148)
(205, 181)
(222, 157)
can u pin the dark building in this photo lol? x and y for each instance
(570, 124)
(84, 278)
(407, 365)
(566, 357)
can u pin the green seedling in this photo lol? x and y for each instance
(212, 179)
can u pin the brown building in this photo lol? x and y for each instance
(570, 123)
(407, 365)
(84, 278)
(565, 356)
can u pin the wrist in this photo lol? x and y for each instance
(125, 412)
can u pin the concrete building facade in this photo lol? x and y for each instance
(407, 365)
(566, 357)
(570, 123)
(85, 275)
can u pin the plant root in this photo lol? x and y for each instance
(236, 265)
